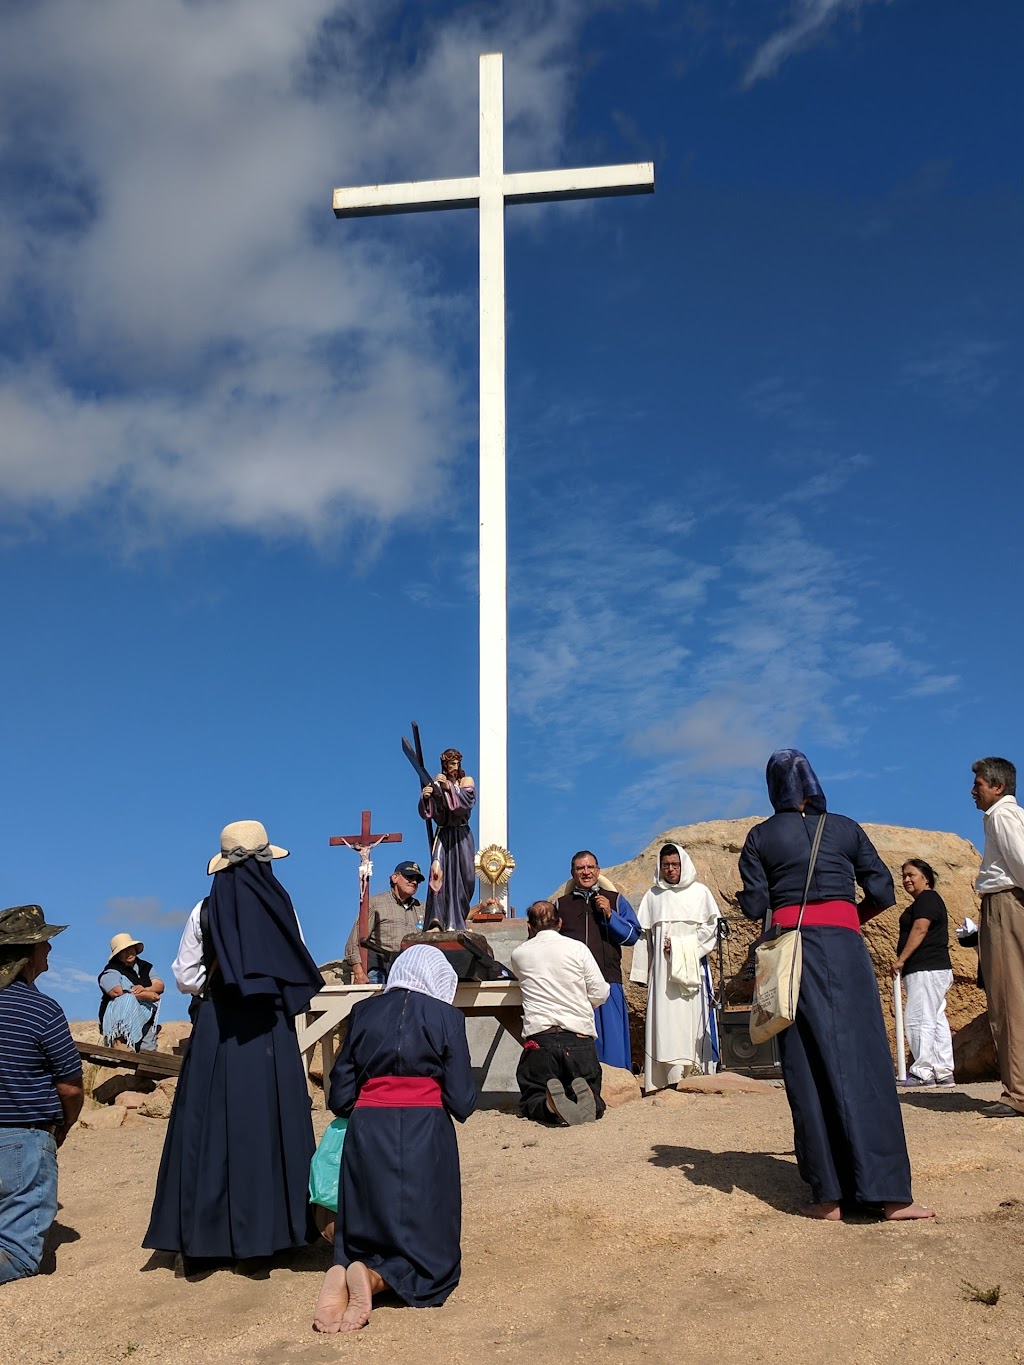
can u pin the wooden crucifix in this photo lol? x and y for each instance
(364, 842)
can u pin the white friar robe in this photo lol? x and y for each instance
(678, 1034)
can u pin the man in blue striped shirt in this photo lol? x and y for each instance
(40, 1090)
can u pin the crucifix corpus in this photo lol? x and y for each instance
(490, 191)
(364, 843)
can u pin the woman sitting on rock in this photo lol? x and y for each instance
(130, 999)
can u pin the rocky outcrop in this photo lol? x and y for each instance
(714, 847)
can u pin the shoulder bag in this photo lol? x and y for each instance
(777, 967)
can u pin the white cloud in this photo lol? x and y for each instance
(963, 369)
(135, 912)
(810, 21)
(187, 327)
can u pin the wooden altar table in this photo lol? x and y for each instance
(501, 1000)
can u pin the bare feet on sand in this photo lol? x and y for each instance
(825, 1213)
(333, 1300)
(360, 1298)
(904, 1213)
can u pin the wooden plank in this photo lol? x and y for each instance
(156, 1063)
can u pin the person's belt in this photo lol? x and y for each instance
(400, 1092)
(557, 1028)
(45, 1125)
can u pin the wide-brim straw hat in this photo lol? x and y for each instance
(122, 941)
(21, 927)
(240, 840)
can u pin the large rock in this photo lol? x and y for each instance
(725, 1083)
(714, 847)
(104, 1116)
(618, 1086)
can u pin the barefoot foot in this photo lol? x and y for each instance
(360, 1298)
(903, 1213)
(333, 1300)
(826, 1213)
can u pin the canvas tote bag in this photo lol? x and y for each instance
(777, 967)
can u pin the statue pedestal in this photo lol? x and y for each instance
(493, 1053)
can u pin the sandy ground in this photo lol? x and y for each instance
(663, 1233)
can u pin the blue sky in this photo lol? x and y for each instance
(764, 450)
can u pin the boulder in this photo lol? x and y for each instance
(105, 1116)
(618, 1086)
(130, 1099)
(714, 846)
(725, 1083)
(157, 1105)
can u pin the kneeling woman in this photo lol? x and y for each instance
(402, 1076)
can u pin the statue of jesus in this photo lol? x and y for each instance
(449, 802)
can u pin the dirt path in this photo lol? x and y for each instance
(664, 1233)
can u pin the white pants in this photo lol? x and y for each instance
(926, 1025)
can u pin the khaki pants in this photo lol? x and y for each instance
(1001, 948)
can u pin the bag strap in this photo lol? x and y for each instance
(810, 867)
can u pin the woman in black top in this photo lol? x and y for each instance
(922, 956)
(847, 1125)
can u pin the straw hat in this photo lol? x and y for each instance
(122, 941)
(21, 927)
(240, 840)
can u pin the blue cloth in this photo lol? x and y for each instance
(234, 1173)
(36, 1050)
(400, 1196)
(773, 864)
(129, 1020)
(28, 1198)
(847, 1125)
(612, 1019)
(792, 782)
(256, 938)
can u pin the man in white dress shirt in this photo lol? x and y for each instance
(1000, 884)
(560, 983)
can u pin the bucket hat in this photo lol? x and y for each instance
(21, 927)
(240, 840)
(122, 941)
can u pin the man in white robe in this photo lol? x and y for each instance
(679, 918)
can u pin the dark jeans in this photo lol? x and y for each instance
(558, 1056)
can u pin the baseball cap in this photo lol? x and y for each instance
(411, 871)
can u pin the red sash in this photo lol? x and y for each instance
(400, 1092)
(835, 914)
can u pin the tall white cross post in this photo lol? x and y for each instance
(491, 190)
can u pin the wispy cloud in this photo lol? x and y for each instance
(760, 650)
(70, 979)
(811, 20)
(191, 340)
(131, 912)
(962, 369)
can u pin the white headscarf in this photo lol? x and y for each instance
(424, 969)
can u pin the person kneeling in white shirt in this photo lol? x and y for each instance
(560, 983)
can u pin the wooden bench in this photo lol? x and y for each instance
(144, 1063)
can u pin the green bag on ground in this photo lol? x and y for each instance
(325, 1168)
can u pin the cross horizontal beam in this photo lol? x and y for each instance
(524, 187)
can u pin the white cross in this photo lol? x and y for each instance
(491, 190)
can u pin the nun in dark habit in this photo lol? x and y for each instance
(234, 1174)
(402, 1076)
(848, 1129)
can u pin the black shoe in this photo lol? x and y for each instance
(566, 1109)
(586, 1105)
(999, 1110)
